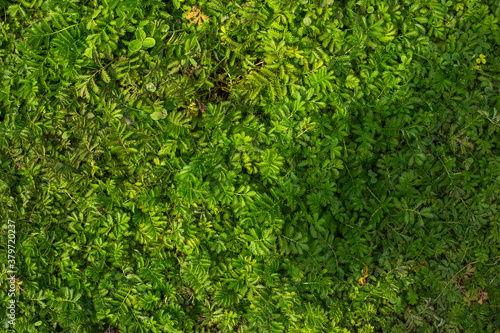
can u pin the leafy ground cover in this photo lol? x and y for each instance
(251, 166)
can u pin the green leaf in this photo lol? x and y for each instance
(148, 42)
(150, 87)
(105, 76)
(159, 114)
(140, 34)
(351, 81)
(135, 45)
(307, 21)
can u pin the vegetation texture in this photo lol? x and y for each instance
(251, 166)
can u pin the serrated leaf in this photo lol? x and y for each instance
(94, 86)
(351, 81)
(105, 76)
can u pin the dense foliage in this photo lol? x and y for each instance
(252, 166)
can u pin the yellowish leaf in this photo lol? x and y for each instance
(362, 280)
(196, 16)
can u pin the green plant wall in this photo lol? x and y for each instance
(251, 166)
